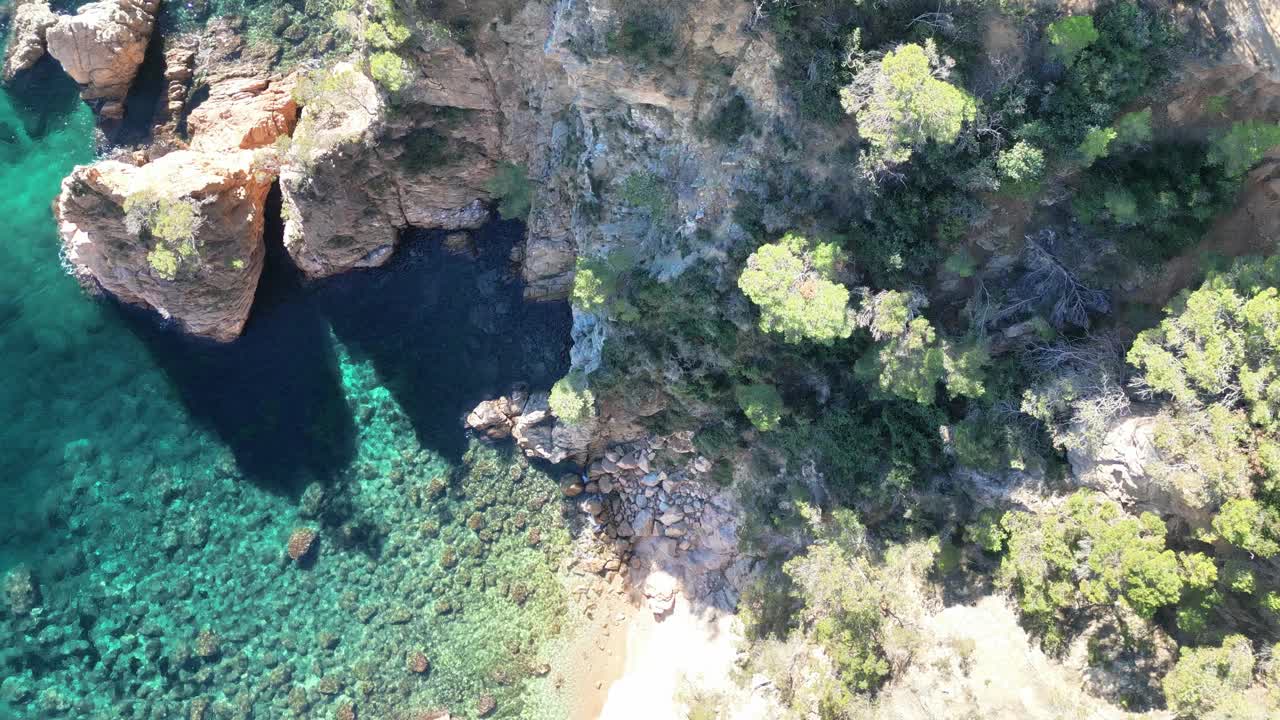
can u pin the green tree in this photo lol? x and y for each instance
(1244, 145)
(791, 282)
(1219, 343)
(761, 404)
(1206, 678)
(1070, 35)
(571, 399)
(1088, 552)
(1096, 145)
(1250, 526)
(857, 602)
(1134, 129)
(905, 101)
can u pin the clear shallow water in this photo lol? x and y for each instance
(151, 481)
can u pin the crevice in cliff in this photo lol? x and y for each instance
(145, 96)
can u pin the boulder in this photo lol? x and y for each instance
(102, 46)
(31, 21)
(208, 287)
(493, 418)
(1119, 468)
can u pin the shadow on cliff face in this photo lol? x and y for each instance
(445, 330)
(274, 396)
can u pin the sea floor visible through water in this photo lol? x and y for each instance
(152, 482)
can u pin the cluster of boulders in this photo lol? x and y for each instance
(528, 419)
(633, 499)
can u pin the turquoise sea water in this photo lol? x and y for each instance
(151, 482)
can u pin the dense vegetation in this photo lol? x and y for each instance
(860, 348)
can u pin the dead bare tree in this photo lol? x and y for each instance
(1050, 286)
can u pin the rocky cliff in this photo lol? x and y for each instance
(102, 46)
(204, 280)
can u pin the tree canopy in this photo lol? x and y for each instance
(791, 282)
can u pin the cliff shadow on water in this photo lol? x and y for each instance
(446, 328)
(442, 330)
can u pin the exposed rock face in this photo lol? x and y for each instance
(31, 20)
(246, 104)
(1121, 466)
(209, 296)
(244, 113)
(102, 46)
(358, 173)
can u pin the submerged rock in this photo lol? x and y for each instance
(191, 249)
(31, 21)
(102, 46)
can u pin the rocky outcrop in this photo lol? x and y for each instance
(358, 174)
(246, 104)
(31, 21)
(209, 289)
(102, 46)
(536, 431)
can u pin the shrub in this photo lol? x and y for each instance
(389, 70)
(986, 532)
(790, 281)
(172, 224)
(731, 121)
(1088, 552)
(645, 35)
(1243, 146)
(902, 102)
(424, 148)
(1096, 145)
(1070, 35)
(511, 186)
(571, 399)
(1250, 526)
(761, 404)
(1021, 166)
(649, 192)
(1133, 129)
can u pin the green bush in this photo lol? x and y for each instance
(1158, 201)
(571, 400)
(649, 192)
(1021, 166)
(425, 148)
(1250, 526)
(1096, 145)
(1134, 129)
(731, 121)
(171, 223)
(761, 404)
(510, 185)
(1071, 35)
(646, 35)
(986, 532)
(389, 70)
(790, 281)
(1088, 552)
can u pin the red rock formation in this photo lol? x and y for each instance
(208, 294)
